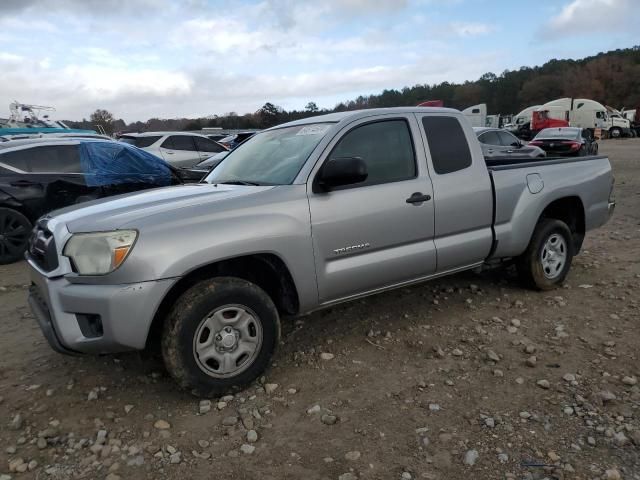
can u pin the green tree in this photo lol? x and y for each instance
(311, 107)
(104, 119)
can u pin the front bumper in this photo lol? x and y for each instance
(125, 312)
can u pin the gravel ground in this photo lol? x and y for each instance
(466, 377)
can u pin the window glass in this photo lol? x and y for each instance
(206, 145)
(507, 139)
(447, 144)
(273, 157)
(386, 148)
(180, 142)
(490, 138)
(16, 159)
(141, 142)
(55, 158)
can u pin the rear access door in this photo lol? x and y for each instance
(378, 233)
(462, 192)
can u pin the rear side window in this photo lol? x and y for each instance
(179, 142)
(447, 144)
(55, 158)
(206, 145)
(142, 142)
(386, 148)
(16, 159)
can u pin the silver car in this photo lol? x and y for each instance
(496, 143)
(180, 149)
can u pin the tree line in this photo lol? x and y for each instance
(612, 78)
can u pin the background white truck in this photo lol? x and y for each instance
(579, 112)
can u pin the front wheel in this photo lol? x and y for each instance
(546, 262)
(615, 132)
(220, 334)
(15, 229)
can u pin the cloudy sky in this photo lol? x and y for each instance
(170, 58)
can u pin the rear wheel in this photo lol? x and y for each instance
(220, 334)
(15, 229)
(547, 260)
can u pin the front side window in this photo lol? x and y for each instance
(386, 148)
(447, 144)
(206, 145)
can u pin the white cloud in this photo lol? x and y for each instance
(586, 17)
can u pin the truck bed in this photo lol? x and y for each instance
(523, 189)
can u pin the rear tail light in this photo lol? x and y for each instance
(573, 145)
(535, 143)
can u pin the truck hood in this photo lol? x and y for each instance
(125, 210)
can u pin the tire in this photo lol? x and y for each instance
(615, 133)
(533, 271)
(201, 328)
(15, 229)
(595, 148)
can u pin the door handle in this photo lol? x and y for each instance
(418, 197)
(23, 183)
(168, 152)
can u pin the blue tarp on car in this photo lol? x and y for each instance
(111, 163)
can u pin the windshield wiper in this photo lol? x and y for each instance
(238, 182)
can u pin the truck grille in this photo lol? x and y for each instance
(42, 247)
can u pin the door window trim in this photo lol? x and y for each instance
(341, 135)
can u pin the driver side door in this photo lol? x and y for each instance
(371, 235)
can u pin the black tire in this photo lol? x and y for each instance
(187, 318)
(15, 229)
(531, 269)
(615, 132)
(595, 148)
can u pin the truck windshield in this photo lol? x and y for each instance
(273, 157)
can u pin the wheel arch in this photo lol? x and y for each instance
(570, 210)
(267, 270)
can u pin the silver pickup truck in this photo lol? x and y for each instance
(301, 217)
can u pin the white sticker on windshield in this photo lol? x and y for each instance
(314, 129)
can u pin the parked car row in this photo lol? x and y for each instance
(553, 142)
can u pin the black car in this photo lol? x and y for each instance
(566, 141)
(41, 175)
(496, 143)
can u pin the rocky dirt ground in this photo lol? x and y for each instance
(467, 377)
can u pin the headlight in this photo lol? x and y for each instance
(99, 253)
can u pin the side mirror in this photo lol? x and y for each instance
(340, 171)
